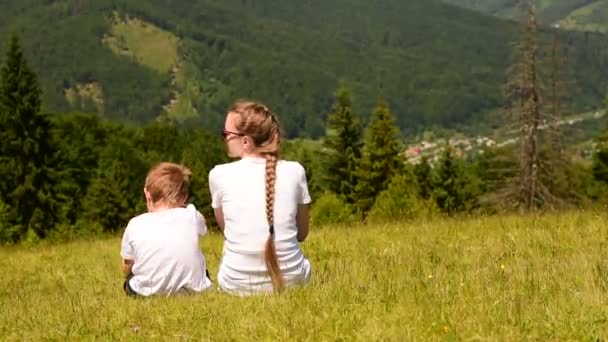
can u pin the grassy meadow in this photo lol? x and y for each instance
(495, 278)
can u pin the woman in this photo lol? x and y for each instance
(261, 204)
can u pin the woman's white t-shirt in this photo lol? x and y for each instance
(239, 189)
(165, 250)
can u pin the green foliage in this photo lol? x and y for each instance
(597, 187)
(308, 153)
(424, 178)
(79, 140)
(160, 141)
(455, 188)
(402, 201)
(24, 147)
(600, 158)
(201, 152)
(566, 179)
(116, 193)
(331, 209)
(8, 231)
(379, 157)
(342, 148)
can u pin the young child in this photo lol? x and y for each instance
(160, 249)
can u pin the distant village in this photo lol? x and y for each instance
(464, 147)
(431, 150)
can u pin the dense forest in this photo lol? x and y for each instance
(68, 175)
(435, 64)
(74, 154)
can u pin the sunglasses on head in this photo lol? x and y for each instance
(226, 133)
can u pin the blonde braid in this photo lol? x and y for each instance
(272, 262)
(259, 123)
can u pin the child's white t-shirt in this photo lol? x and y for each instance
(239, 189)
(165, 250)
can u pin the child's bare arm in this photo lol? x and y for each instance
(201, 223)
(126, 267)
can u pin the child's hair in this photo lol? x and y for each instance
(259, 123)
(168, 183)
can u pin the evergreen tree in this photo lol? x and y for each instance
(195, 141)
(379, 157)
(79, 139)
(116, 193)
(161, 141)
(454, 189)
(600, 157)
(24, 148)
(424, 178)
(342, 147)
(306, 153)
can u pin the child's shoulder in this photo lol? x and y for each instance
(138, 220)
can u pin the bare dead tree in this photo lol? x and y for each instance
(524, 92)
(541, 168)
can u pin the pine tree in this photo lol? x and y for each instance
(454, 189)
(160, 141)
(600, 157)
(78, 139)
(424, 178)
(342, 147)
(24, 148)
(379, 157)
(116, 193)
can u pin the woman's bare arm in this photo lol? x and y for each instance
(302, 222)
(219, 217)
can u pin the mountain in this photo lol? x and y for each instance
(584, 15)
(437, 65)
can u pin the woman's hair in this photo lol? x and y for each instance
(261, 125)
(168, 183)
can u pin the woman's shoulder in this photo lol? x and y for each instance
(291, 164)
(221, 168)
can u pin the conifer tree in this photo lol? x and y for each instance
(116, 193)
(342, 147)
(454, 189)
(424, 178)
(600, 157)
(24, 148)
(379, 157)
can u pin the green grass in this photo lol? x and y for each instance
(144, 42)
(185, 89)
(499, 278)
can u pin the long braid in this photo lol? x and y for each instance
(270, 254)
(258, 122)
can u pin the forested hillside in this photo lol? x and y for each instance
(436, 65)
